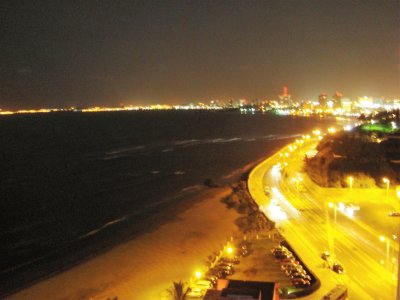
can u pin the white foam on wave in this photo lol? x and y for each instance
(269, 136)
(168, 150)
(179, 143)
(281, 137)
(225, 140)
(179, 172)
(118, 153)
(289, 136)
(127, 149)
(192, 188)
(108, 224)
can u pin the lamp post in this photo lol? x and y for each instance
(332, 205)
(398, 273)
(351, 179)
(383, 239)
(331, 229)
(387, 182)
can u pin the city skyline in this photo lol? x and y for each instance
(141, 53)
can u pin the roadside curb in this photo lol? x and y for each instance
(315, 282)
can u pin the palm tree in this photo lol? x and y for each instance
(179, 291)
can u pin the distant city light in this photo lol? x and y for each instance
(348, 128)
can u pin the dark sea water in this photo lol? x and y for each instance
(72, 184)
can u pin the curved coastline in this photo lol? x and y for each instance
(74, 277)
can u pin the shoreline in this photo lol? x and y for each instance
(181, 207)
(159, 253)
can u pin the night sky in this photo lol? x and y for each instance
(82, 53)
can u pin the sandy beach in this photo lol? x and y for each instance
(144, 267)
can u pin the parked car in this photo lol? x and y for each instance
(232, 260)
(195, 293)
(288, 266)
(300, 282)
(203, 284)
(300, 275)
(213, 279)
(279, 248)
(220, 272)
(297, 270)
(225, 265)
(223, 270)
(293, 269)
(338, 268)
(290, 260)
(281, 254)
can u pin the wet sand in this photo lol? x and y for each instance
(145, 267)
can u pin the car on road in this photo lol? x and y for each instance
(352, 206)
(338, 268)
(267, 190)
(394, 214)
(325, 255)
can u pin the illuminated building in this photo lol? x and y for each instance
(323, 100)
(285, 99)
(337, 100)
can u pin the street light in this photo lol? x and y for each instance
(350, 179)
(383, 239)
(331, 229)
(332, 130)
(197, 274)
(387, 182)
(332, 205)
(298, 181)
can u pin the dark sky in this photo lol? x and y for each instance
(62, 53)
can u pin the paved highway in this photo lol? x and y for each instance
(365, 243)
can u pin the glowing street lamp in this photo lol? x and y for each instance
(350, 179)
(383, 239)
(387, 182)
(297, 180)
(332, 205)
(197, 274)
(332, 130)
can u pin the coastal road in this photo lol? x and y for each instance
(365, 243)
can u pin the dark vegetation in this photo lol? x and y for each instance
(367, 153)
(251, 219)
(178, 291)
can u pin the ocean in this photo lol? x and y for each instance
(75, 184)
